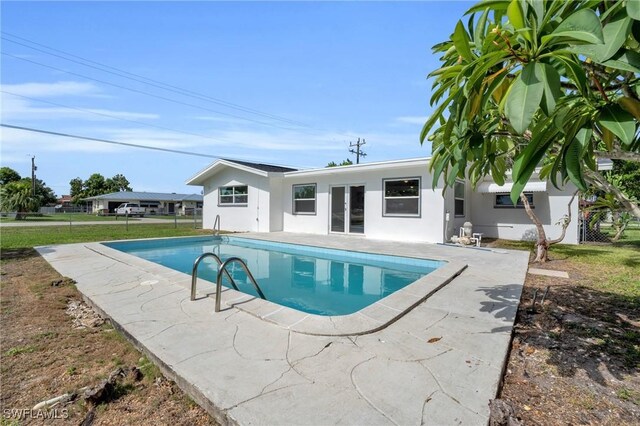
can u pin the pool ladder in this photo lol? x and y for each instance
(222, 268)
(216, 226)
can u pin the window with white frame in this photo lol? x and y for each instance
(504, 201)
(401, 197)
(237, 195)
(458, 199)
(304, 199)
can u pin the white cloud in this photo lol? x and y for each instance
(411, 119)
(60, 88)
(18, 108)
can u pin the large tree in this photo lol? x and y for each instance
(529, 83)
(7, 174)
(96, 184)
(17, 193)
(17, 196)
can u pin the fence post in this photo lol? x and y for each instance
(175, 220)
(127, 221)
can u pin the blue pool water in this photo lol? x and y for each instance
(311, 279)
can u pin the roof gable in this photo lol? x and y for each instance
(263, 167)
(259, 169)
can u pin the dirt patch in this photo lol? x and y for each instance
(52, 344)
(575, 359)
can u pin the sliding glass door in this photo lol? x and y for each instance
(347, 209)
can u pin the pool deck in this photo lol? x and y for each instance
(440, 363)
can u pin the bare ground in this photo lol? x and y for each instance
(44, 355)
(576, 359)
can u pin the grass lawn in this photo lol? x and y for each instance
(613, 268)
(64, 217)
(26, 237)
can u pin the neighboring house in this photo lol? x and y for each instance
(154, 202)
(390, 200)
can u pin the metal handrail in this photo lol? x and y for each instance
(194, 273)
(216, 231)
(223, 267)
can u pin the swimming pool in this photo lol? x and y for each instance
(315, 280)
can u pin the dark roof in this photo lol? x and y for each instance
(263, 167)
(146, 196)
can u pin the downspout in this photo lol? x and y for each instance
(446, 226)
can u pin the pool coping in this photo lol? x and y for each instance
(370, 319)
(439, 364)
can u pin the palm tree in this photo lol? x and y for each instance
(17, 197)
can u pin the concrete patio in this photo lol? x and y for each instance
(440, 363)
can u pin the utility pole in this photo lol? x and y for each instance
(33, 175)
(358, 152)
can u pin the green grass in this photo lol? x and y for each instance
(84, 217)
(20, 350)
(62, 217)
(27, 237)
(612, 267)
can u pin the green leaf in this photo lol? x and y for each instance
(478, 36)
(515, 15)
(461, 42)
(524, 97)
(489, 4)
(626, 61)
(434, 117)
(574, 165)
(619, 122)
(630, 105)
(576, 74)
(583, 25)
(552, 91)
(633, 9)
(538, 8)
(615, 33)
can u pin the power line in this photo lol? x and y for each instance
(133, 145)
(115, 117)
(147, 93)
(147, 80)
(358, 151)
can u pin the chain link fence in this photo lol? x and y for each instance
(604, 225)
(192, 219)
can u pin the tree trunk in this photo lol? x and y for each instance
(542, 245)
(597, 180)
(619, 232)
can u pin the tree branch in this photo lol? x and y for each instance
(566, 221)
(618, 154)
(596, 179)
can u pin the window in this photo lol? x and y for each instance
(504, 201)
(233, 195)
(458, 196)
(401, 197)
(304, 199)
(150, 204)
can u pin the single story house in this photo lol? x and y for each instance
(154, 202)
(390, 200)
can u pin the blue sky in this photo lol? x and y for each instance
(319, 75)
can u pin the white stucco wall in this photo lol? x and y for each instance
(275, 209)
(253, 217)
(427, 227)
(514, 224)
